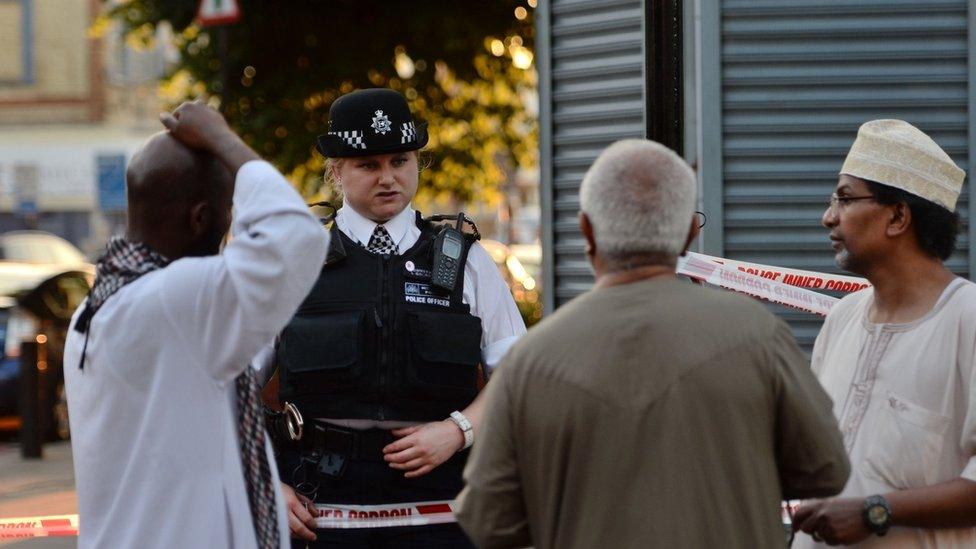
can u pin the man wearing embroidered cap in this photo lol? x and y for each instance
(382, 358)
(899, 358)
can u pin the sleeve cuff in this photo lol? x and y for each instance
(263, 363)
(495, 352)
(969, 472)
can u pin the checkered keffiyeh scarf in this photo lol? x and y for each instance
(124, 262)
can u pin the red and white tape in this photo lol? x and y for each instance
(38, 527)
(788, 287)
(793, 277)
(416, 513)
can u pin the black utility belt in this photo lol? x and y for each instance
(323, 438)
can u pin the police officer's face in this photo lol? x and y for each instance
(380, 186)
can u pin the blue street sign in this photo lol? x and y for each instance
(111, 182)
(27, 207)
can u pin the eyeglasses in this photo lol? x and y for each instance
(842, 201)
(701, 219)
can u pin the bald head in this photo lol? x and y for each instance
(640, 198)
(178, 198)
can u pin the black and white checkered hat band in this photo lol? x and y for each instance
(353, 138)
(408, 133)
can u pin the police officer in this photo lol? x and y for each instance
(385, 351)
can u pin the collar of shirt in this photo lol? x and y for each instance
(360, 228)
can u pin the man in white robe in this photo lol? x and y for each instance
(168, 446)
(897, 359)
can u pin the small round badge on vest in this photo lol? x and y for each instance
(371, 121)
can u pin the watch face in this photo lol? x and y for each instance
(877, 514)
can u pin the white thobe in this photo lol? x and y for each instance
(153, 413)
(905, 398)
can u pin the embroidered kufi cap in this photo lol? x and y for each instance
(371, 121)
(897, 154)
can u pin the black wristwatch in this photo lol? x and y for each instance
(877, 514)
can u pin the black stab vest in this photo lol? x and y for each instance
(375, 340)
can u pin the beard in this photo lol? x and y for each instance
(843, 259)
(848, 262)
(208, 244)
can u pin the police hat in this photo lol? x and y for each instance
(372, 121)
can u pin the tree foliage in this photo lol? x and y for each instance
(278, 70)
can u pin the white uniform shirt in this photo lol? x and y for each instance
(905, 399)
(153, 414)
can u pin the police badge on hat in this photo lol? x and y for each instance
(365, 122)
(381, 123)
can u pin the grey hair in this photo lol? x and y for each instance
(640, 198)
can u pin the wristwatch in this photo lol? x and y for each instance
(877, 514)
(466, 428)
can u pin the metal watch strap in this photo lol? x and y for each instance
(465, 426)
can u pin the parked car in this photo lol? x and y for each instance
(40, 248)
(43, 279)
(522, 284)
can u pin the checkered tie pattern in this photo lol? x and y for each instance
(254, 457)
(381, 242)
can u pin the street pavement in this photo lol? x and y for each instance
(37, 487)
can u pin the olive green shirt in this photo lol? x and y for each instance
(652, 414)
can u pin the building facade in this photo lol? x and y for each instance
(73, 108)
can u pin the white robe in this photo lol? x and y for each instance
(905, 398)
(153, 414)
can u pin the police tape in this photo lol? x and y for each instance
(38, 527)
(417, 513)
(770, 290)
(788, 287)
(333, 516)
(788, 509)
(793, 277)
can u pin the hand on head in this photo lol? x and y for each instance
(196, 125)
(200, 127)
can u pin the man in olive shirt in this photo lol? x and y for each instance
(648, 412)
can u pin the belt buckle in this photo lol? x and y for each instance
(338, 445)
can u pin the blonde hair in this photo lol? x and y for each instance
(332, 166)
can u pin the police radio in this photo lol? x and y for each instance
(446, 265)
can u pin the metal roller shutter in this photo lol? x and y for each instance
(593, 96)
(798, 78)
